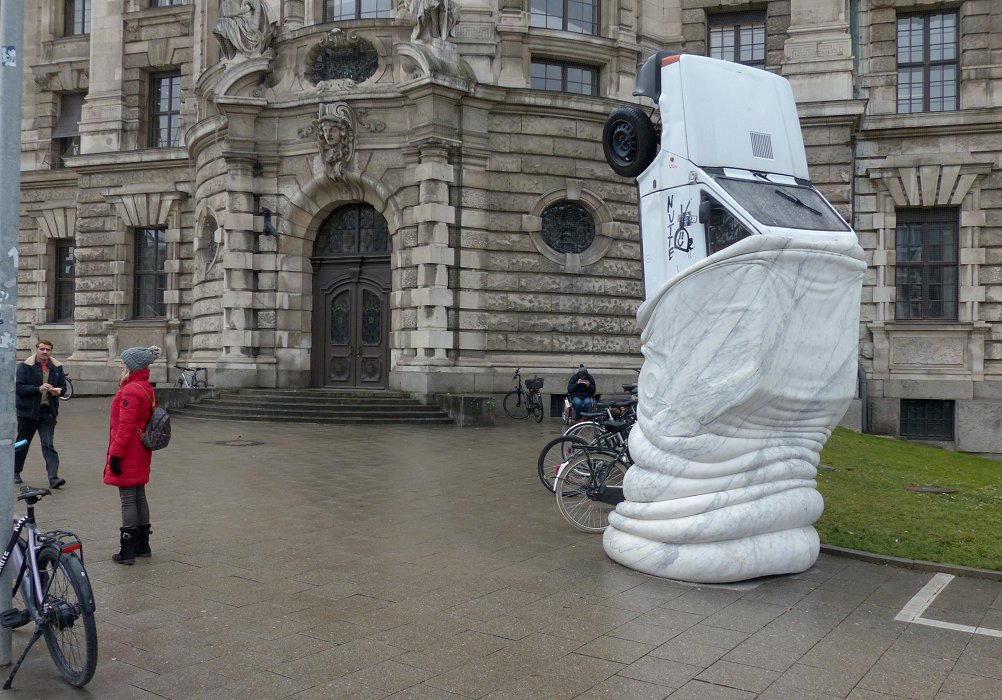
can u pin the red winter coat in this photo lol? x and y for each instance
(130, 412)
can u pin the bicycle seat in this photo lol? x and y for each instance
(616, 426)
(630, 388)
(32, 496)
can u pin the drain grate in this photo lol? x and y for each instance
(930, 489)
(237, 443)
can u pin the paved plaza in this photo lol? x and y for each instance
(307, 561)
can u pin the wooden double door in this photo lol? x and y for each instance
(351, 323)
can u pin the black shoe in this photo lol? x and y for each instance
(17, 478)
(56, 483)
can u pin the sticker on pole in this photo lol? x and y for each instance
(8, 57)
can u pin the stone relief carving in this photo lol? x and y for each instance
(244, 29)
(335, 130)
(433, 19)
(341, 61)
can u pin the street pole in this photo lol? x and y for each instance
(11, 61)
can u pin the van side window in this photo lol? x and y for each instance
(722, 229)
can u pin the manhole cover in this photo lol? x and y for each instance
(930, 489)
(825, 468)
(237, 443)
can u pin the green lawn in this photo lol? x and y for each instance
(868, 508)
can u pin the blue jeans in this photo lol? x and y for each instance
(46, 429)
(581, 404)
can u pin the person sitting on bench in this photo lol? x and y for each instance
(581, 391)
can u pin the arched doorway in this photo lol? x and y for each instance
(351, 289)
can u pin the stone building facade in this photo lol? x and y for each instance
(390, 193)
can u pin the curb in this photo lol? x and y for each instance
(915, 564)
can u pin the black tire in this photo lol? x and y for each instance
(70, 632)
(629, 141)
(537, 408)
(68, 394)
(576, 482)
(554, 453)
(516, 404)
(201, 384)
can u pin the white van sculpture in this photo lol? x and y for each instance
(749, 327)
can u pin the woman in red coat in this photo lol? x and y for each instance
(128, 462)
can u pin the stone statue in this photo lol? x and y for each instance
(433, 19)
(243, 29)
(335, 128)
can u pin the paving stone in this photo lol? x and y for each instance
(740, 676)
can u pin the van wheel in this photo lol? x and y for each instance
(629, 141)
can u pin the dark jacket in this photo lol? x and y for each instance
(130, 412)
(28, 379)
(575, 389)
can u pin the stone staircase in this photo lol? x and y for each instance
(314, 406)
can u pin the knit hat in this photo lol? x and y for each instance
(582, 369)
(140, 358)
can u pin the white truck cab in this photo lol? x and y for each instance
(731, 162)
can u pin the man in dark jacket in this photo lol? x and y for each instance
(581, 390)
(39, 382)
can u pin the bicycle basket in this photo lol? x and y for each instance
(534, 384)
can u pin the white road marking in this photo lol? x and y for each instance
(912, 612)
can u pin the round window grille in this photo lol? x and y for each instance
(568, 227)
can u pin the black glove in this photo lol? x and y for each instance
(115, 465)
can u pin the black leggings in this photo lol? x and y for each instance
(135, 510)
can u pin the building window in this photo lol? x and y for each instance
(926, 270)
(76, 20)
(165, 109)
(66, 134)
(568, 227)
(579, 16)
(927, 419)
(337, 10)
(738, 37)
(150, 279)
(65, 273)
(928, 63)
(354, 229)
(165, 3)
(564, 77)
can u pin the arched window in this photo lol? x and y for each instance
(354, 229)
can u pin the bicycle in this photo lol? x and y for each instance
(56, 593)
(589, 485)
(525, 399)
(187, 377)
(602, 434)
(68, 392)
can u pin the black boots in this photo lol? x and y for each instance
(128, 539)
(143, 541)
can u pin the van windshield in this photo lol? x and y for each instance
(782, 205)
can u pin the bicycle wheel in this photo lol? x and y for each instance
(70, 632)
(537, 407)
(68, 394)
(580, 488)
(201, 384)
(554, 453)
(587, 430)
(516, 404)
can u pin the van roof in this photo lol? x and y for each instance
(722, 114)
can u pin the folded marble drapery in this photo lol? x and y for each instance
(750, 361)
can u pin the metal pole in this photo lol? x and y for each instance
(11, 60)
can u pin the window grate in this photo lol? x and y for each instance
(927, 419)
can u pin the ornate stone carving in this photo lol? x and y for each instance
(433, 19)
(340, 61)
(335, 130)
(244, 29)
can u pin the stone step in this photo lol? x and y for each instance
(314, 406)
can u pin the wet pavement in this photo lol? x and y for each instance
(307, 561)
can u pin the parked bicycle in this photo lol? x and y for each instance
(589, 485)
(599, 431)
(55, 592)
(525, 399)
(68, 391)
(187, 377)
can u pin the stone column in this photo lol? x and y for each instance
(103, 115)
(818, 52)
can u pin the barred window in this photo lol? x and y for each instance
(63, 305)
(738, 37)
(580, 16)
(927, 419)
(150, 278)
(926, 266)
(563, 77)
(165, 3)
(165, 109)
(568, 227)
(354, 229)
(928, 63)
